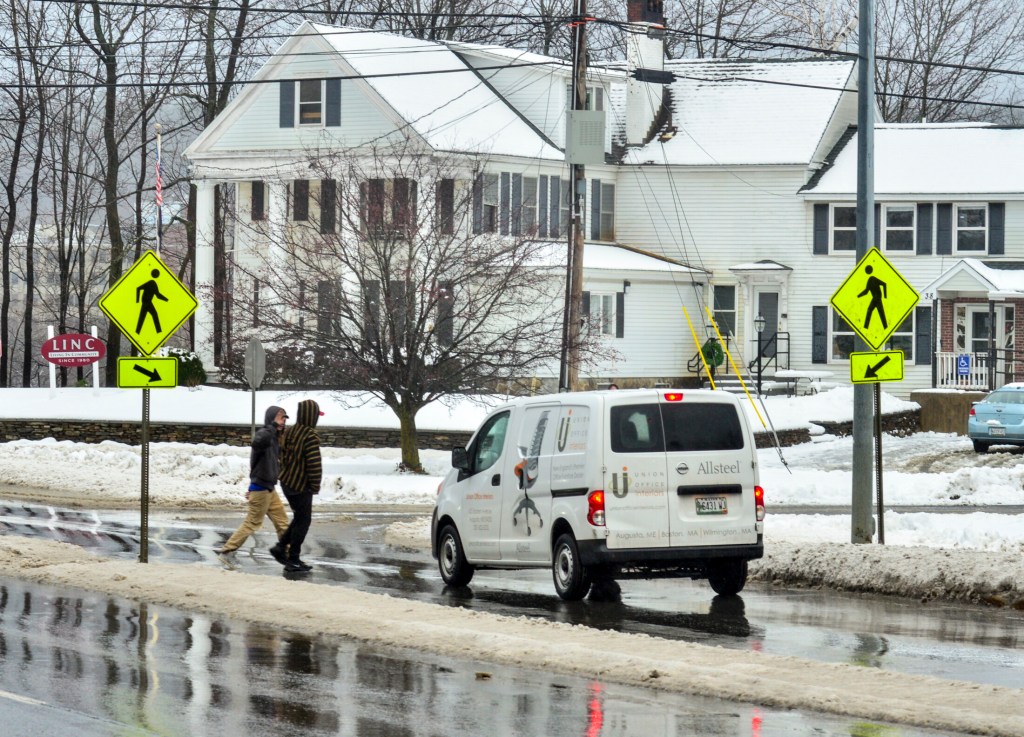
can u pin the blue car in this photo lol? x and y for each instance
(998, 419)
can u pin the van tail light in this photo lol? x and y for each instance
(673, 396)
(759, 502)
(595, 508)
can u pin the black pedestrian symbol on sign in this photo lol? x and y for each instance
(149, 291)
(878, 291)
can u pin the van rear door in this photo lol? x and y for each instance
(710, 454)
(636, 488)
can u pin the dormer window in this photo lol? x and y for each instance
(311, 96)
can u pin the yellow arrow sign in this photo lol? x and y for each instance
(875, 299)
(148, 303)
(147, 373)
(872, 368)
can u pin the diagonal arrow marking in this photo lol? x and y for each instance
(872, 371)
(153, 375)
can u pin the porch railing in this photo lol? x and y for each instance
(977, 370)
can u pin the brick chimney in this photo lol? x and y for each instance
(645, 49)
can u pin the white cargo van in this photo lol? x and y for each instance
(605, 485)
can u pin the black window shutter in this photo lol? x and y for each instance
(595, 209)
(300, 191)
(820, 230)
(287, 111)
(398, 308)
(996, 228)
(542, 207)
(878, 227)
(444, 330)
(944, 228)
(478, 204)
(819, 335)
(328, 205)
(259, 210)
(332, 116)
(328, 304)
(922, 336)
(517, 204)
(585, 306)
(505, 193)
(620, 314)
(924, 229)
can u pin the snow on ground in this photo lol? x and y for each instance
(970, 555)
(929, 469)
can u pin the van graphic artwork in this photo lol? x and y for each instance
(526, 473)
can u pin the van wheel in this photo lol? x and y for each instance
(727, 576)
(451, 559)
(980, 446)
(572, 579)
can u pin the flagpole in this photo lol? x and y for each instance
(159, 195)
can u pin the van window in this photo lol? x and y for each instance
(489, 443)
(710, 426)
(653, 428)
(636, 428)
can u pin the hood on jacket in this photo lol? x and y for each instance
(271, 413)
(308, 413)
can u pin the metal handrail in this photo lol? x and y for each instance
(779, 359)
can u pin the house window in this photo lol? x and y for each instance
(258, 208)
(444, 197)
(595, 97)
(971, 228)
(899, 226)
(491, 204)
(842, 338)
(902, 339)
(602, 313)
(604, 212)
(388, 207)
(300, 200)
(725, 309)
(844, 228)
(311, 99)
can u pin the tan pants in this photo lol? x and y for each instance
(261, 504)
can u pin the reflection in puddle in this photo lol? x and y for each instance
(153, 669)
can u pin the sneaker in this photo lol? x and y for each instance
(227, 557)
(296, 566)
(278, 554)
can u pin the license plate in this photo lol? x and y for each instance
(997, 431)
(711, 505)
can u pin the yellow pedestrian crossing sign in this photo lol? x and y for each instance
(147, 372)
(872, 368)
(875, 299)
(148, 303)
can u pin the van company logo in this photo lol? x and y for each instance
(708, 467)
(563, 431)
(616, 492)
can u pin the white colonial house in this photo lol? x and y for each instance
(727, 188)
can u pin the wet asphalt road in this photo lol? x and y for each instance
(961, 642)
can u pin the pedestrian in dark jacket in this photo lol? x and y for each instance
(264, 467)
(301, 472)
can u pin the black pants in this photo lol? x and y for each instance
(302, 515)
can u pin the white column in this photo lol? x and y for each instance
(277, 217)
(204, 272)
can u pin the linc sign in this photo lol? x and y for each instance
(73, 349)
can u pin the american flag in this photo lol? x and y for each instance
(159, 182)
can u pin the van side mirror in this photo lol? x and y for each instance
(460, 459)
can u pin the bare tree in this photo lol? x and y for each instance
(386, 289)
(940, 53)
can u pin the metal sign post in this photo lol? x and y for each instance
(144, 523)
(255, 370)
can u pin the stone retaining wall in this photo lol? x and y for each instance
(85, 431)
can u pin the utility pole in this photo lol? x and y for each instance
(862, 524)
(572, 327)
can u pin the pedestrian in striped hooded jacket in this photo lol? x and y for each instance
(301, 473)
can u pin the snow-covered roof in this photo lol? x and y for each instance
(997, 280)
(453, 109)
(602, 256)
(748, 112)
(933, 159)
